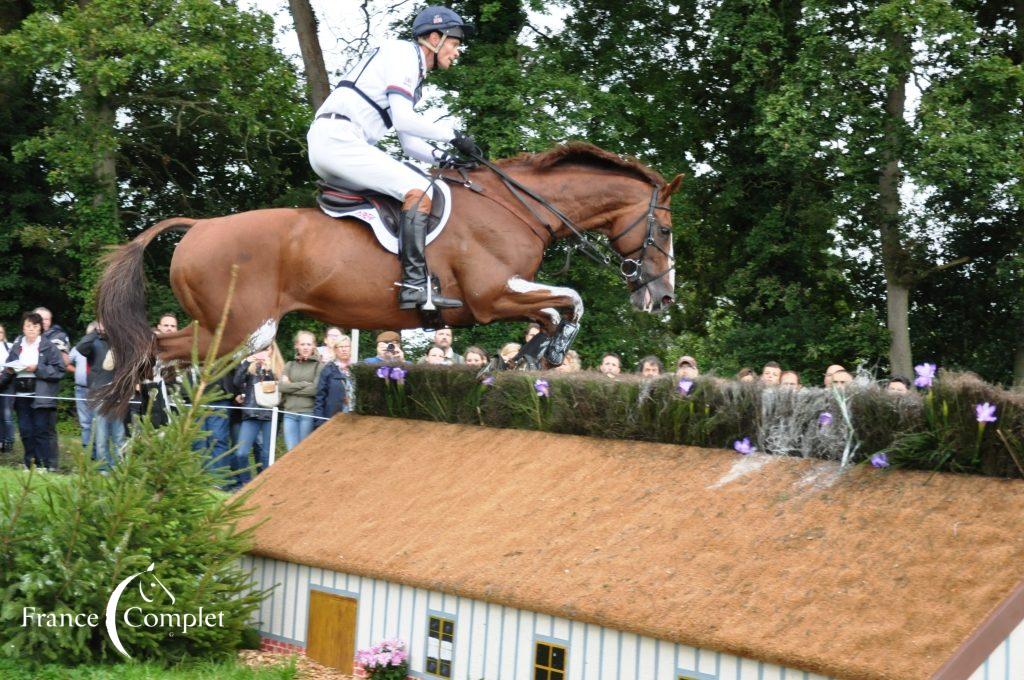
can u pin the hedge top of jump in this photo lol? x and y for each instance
(860, 573)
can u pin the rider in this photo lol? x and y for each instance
(376, 95)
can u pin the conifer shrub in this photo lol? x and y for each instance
(66, 545)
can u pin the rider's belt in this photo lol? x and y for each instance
(381, 111)
(334, 116)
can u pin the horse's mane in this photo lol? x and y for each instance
(582, 153)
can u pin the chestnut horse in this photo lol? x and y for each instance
(334, 270)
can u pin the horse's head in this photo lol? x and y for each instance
(642, 235)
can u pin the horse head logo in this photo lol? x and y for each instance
(147, 590)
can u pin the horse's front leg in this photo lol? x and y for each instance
(556, 308)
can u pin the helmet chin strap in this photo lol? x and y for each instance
(434, 50)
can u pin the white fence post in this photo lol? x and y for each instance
(273, 436)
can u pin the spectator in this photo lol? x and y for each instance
(35, 380)
(217, 425)
(531, 330)
(299, 382)
(325, 352)
(506, 354)
(771, 373)
(162, 393)
(443, 338)
(389, 349)
(686, 367)
(168, 323)
(435, 356)
(746, 375)
(650, 367)
(79, 365)
(790, 379)
(108, 431)
(840, 379)
(335, 390)
(252, 374)
(611, 365)
(476, 357)
(53, 332)
(830, 371)
(6, 407)
(898, 385)
(571, 363)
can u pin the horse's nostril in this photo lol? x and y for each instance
(667, 300)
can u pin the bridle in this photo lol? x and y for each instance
(631, 269)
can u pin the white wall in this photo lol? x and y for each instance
(1007, 661)
(491, 641)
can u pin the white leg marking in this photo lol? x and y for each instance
(520, 285)
(262, 336)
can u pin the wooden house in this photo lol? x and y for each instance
(513, 555)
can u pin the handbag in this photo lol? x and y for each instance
(267, 393)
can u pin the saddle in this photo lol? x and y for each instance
(382, 213)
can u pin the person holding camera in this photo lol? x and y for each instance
(108, 431)
(260, 371)
(32, 374)
(389, 349)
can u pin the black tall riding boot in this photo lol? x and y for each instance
(413, 292)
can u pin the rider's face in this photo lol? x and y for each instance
(449, 52)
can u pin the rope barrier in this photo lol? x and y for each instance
(33, 395)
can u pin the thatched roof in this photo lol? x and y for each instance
(864, 574)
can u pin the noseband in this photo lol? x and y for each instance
(632, 269)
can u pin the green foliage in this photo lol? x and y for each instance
(65, 545)
(716, 413)
(209, 670)
(143, 111)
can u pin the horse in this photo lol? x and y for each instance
(503, 218)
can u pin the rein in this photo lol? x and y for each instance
(631, 269)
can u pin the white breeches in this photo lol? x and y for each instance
(340, 155)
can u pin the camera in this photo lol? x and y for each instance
(391, 348)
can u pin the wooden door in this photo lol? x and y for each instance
(331, 633)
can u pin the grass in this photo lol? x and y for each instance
(208, 670)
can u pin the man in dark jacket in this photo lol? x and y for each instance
(108, 431)
(32, 374)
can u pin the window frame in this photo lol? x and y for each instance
(442, 617)
(552, 643)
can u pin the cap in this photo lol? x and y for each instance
(686, 359)
(389, 336)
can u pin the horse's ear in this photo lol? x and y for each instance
(672, 187)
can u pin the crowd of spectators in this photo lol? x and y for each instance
(308, 387)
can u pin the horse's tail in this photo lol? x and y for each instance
(121, 308)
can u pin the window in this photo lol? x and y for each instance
(549, 663)
(440, 642)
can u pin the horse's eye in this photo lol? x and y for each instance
(665, 231)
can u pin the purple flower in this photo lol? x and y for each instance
(487, 381)
(744, 446)
(986, 413)
(382, 372)
(925, 375)
(398, 375)
(880, 460)
(684, 386)
(542, 387)
(825, 419)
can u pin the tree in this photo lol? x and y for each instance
(318, 87)
(154, 111)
